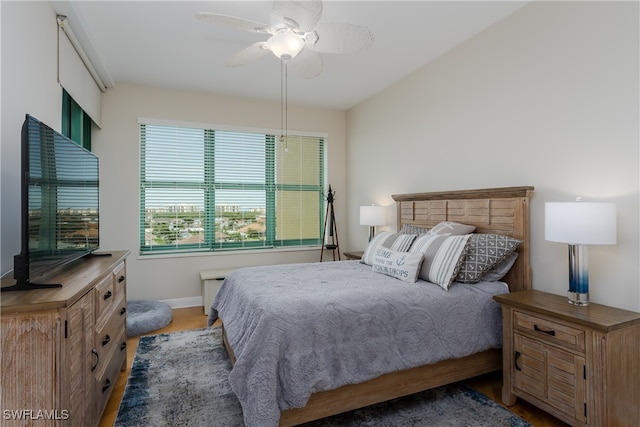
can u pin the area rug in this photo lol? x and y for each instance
(181, 379)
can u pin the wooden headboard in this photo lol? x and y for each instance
(491, 210)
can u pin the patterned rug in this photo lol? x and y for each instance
(181, 379)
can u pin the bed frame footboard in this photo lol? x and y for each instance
(391, 386)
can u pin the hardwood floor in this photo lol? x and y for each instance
(193, 317)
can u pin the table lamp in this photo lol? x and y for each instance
(373, 215)
(579, 224)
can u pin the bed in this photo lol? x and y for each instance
(312, 340)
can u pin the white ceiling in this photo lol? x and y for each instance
(161, 44)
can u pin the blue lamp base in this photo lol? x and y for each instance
(578, 293)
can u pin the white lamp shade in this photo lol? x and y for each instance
(373, 215)
(580, 223)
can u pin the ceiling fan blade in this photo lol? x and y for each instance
(341, 37)
(298, 15)
(248, 54)
(233, 21)
(306, 65)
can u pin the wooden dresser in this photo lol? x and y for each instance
(62, 349)
(581, 364)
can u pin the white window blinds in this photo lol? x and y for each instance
(207, 189)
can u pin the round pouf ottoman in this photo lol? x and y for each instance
(147, 316)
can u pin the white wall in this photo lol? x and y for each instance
(29, 58)
(547, 97)
(117, 145)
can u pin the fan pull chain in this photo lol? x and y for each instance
(284, 105)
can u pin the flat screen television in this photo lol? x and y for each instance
(60, 205)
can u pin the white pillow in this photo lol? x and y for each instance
(401, 265)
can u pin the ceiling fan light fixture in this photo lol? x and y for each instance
(295, 31)
(285, 44)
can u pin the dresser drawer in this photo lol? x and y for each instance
(105, 296)
(107, 380)
(120, 278)
(550, 330)
(107, 335)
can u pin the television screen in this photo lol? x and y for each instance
(60, 216)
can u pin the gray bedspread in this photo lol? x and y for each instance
(297, 329)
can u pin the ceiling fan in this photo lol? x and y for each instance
(297, 36)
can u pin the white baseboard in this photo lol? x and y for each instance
(184, 302)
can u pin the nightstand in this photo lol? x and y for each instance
(581, 364)
(353, 255)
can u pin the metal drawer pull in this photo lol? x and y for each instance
(515, 360)
(106, 340)
(123, 310)
(95, 353)
(123, 346)
(107, 295)
(549, 332)
(107, 384)
(120, 279)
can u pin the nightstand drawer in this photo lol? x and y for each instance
(353, 255)
(550, 331)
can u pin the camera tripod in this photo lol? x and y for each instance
(333, 229)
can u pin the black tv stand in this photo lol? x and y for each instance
(27, 286)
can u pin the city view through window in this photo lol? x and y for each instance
(185, 224)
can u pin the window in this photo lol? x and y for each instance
(76, 124)
(205, 189)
